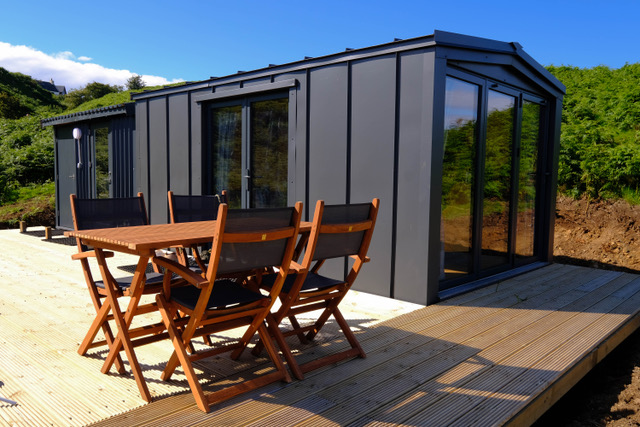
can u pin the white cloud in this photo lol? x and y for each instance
(65, 69)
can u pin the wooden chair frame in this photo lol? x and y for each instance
(296, 301)
(105, 302)
(203, 321)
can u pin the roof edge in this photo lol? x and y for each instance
(126, 109)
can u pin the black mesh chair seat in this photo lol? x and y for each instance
(124, 283)
(313, 282)
(225, 294)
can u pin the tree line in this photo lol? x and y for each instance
(599, 149)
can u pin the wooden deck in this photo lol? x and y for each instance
(499, 355)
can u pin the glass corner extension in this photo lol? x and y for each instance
(458, 175)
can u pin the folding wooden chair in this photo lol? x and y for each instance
(187, 208)
(108, 213)
(244, 240)
(337, 231)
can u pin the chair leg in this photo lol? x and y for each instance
(181, 355)
(275, 332)
(346, 330)
(331, 307)
(296, 326)
(249, 333)
(273, 352)
(100, 321)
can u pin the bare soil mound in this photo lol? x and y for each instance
(602, 234)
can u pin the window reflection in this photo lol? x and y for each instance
(226, 153)
(269, 152)
(103, 178)
(461, 109)
(497, 180)
(529, 143)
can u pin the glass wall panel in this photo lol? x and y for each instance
(226, 152)
(497, 180)
(103, 176)
(527, 188)
(269, 134)
(461, 110)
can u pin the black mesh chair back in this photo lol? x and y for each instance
(239, 256)
(108, 213)
(334, 245)
(188, 208)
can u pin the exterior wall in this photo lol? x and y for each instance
(81, 181)
(362, 125)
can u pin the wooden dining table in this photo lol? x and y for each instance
(143, 241)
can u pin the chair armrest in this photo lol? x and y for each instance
(297, 268)
(366, 258)
(91, 254)
(190, 276)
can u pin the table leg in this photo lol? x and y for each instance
(123, 321)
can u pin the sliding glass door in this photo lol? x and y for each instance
(490, 180)
(246, 151)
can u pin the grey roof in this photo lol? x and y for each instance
(438, 38)
(51, 87)
(97, 113)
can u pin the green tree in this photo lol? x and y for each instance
(135, 82)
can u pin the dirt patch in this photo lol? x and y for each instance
(602, 234)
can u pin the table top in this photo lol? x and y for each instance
(145, 238)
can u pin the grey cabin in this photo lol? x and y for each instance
(457, 135)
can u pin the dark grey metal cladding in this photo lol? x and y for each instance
(179, 160)
(364, 123)
(372, 159)
(121, 162)
(159, 153)
(414, 169)
(328, 126)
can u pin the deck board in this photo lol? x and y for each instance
(502, 354)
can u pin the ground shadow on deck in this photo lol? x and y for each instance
(408, 377)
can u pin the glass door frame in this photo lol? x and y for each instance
(245, 103)
(485, 85)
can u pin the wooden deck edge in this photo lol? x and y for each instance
(545, 400)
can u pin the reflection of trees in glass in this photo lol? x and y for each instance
(101, 138)
(497, 179)
(269, 152)
(227, 152)
(458, 170)
(461, 106)
(529, 142)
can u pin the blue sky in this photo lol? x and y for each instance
(76, 42)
